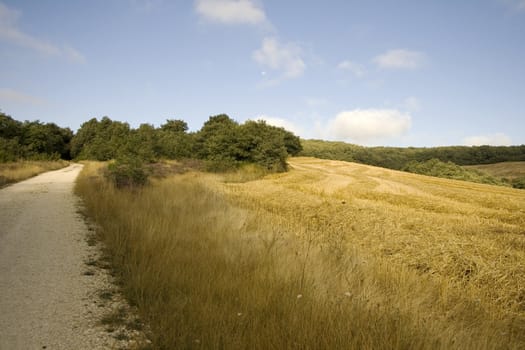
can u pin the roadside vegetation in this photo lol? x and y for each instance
(327, 255)
(17, 171)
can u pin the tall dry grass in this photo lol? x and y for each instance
(18, 171)
(318, 258)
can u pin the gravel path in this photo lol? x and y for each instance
(49, 297)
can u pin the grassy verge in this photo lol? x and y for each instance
(228, 266)
(18, 171)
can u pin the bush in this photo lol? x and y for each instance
(127, 173)
(519, 183)
(449, 170)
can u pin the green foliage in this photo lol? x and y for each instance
(217, 141)
(32, 140)
(10, 150)
(263, 144)
(519, 183)
(142, 143)
(225, 144)
(102, 140)
(173, 140)
(397, 158)
(127, 172)
(291, 142)
(449, 170)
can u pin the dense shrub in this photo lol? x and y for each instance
(127, 172)
(32, 140)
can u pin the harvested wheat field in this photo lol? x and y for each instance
(445, 250)
(328, 255)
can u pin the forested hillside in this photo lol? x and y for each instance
(397, 158)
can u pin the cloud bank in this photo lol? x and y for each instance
(285, 58)
(400, 59)
(355, 68)
(366, 125)
(14, 96)
(10, 33)
(498, 139)
(231, 11)
(280, 122)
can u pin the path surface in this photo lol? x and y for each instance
(47, 301)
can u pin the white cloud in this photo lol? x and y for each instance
(412, 104)
(400, 59)
(281, 123)
(279, 57)
(231, 11)
(9, 32)
(355, 68)
(13, 96)
(365, 125)
(316, 101)
(498, 139)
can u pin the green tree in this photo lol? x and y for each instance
(142, 143)
(263, 144)
(174, 141)
(217, 140)
(101, 140)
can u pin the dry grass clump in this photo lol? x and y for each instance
(18, 171)
(329, 255)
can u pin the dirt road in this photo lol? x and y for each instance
(48, 295)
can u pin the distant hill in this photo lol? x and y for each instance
(508, 170)
(504, 165)
(398, 157)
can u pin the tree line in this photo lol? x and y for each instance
(398, 158)
(33, 140)
(222, 142)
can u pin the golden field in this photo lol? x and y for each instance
(330, 255)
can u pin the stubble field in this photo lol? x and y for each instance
(328, 255)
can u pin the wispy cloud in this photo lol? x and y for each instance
(400, 59)
(285, 58)
(412, 104)
(355, 68)
(316, 101)
(367, 125)
(8, 96)
(9, 32)
(498, 139)
(281, 123)
(231, 11)
(518, 5)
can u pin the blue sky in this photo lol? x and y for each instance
(398, 73)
